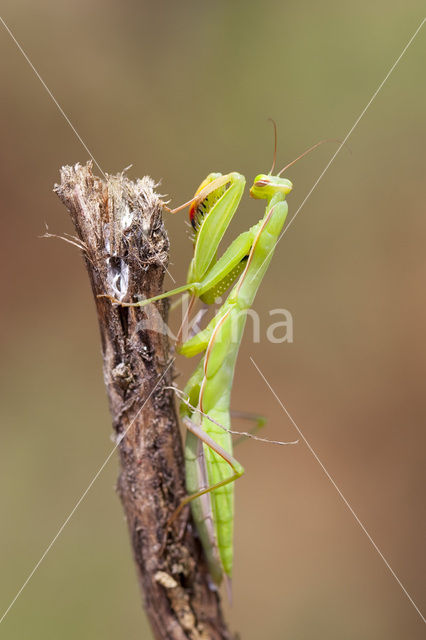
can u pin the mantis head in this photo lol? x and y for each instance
(266, 186)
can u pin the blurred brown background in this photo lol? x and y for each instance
(180, 89)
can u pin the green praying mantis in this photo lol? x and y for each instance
(211, 468)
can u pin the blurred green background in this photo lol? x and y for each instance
(180, 89)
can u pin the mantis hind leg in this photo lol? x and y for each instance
(236, 467)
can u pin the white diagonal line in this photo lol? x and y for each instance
(83, 495)
(62, 112)
(339, 492)
(52, 97)
(351, 130)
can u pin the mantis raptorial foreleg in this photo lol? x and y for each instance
(211, 210)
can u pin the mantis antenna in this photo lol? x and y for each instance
(275, 144)
(305, 153)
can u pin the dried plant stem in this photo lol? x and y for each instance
(119, 225)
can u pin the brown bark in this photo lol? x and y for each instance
(125, 246)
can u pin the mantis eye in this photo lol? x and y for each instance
(261, 183)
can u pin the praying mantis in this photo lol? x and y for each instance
(211, 468)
